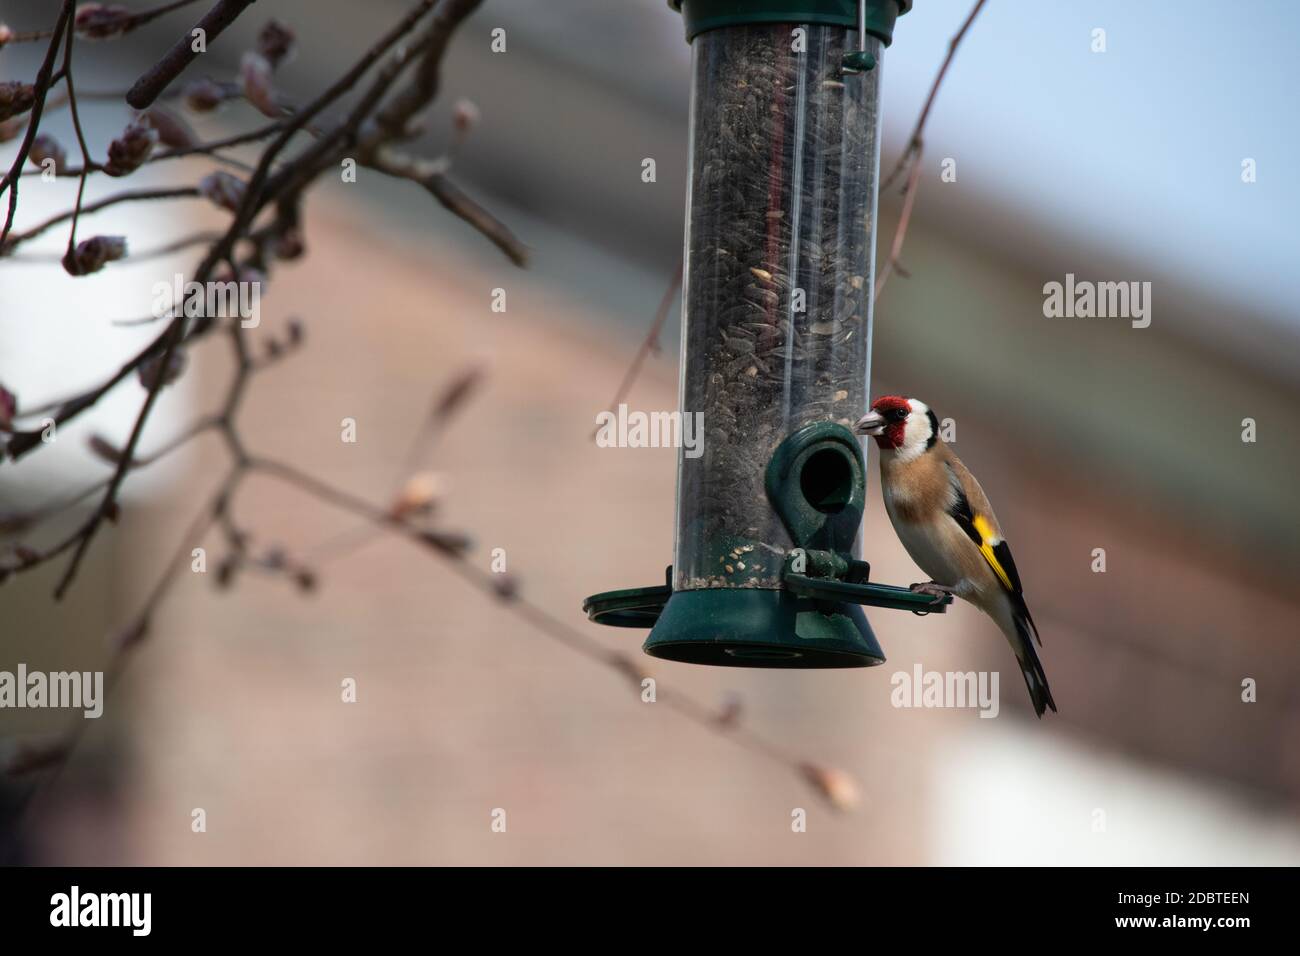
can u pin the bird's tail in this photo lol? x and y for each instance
(1022, 633)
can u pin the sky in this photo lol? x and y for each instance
(1139, 148)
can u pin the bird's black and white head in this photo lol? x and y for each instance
(904, 426)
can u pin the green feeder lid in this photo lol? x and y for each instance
(702, 15)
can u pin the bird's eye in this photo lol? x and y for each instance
(898, 414)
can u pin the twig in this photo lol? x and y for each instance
(23, 442)
(893, 263)
(156, 252)
(44, 77)
(914, 141)
(24, 522)
(432, 176)
(912, 158)
(456, 202)
(448, 400)
(136, 195)
(159, 76)
(649, 344)
(202, 149)
(128, 22)
(81, 141)
(87, 534)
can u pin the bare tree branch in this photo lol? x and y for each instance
(431, 175)
(44, 77)
(135, 195)
(159, 76)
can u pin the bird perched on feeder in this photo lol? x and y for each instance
(944, 520)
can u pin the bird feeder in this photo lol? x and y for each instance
(776, 341)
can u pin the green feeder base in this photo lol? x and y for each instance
(815, 483)
(748, 627)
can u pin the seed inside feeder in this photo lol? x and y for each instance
(776, 308)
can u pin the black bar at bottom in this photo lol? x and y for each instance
(332, 905)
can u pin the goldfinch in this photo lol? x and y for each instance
(944, 520)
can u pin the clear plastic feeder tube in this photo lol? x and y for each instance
(780, 242)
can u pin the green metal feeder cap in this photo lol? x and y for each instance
(702, 15)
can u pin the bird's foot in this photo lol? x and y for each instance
(936, 590)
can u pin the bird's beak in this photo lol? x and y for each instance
(872, 423)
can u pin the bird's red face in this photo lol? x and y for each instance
(887, 421)
(905, 426)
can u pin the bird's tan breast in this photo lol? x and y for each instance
(916, 491)
(919, 494)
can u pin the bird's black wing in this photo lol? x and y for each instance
(996, 552)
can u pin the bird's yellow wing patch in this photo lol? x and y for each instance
(986, 542)
(979, 528)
